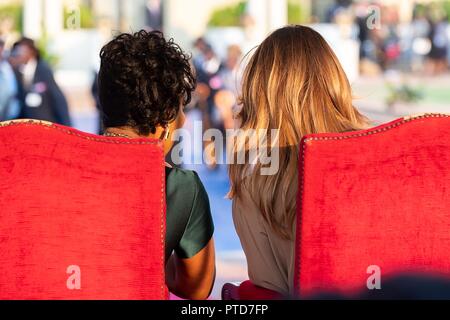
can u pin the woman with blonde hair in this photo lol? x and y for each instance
(295, 84)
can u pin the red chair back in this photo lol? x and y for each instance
(373, 201)
(82, 216)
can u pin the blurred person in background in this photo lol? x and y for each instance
(387, 38)
(438, 56)
(368, 50)
(207, 66)
(362, 21)
(230, 70)
(41, 98)
(224, 88)
(154, 15)
(420, 43)
(8, 87)
(230, 76)
(199, 49)
(338, 8)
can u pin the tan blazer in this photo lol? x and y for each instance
(270, 258)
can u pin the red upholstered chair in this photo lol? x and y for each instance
(378, 198)
(248, 291)
(82, 216)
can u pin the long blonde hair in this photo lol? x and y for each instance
(293, 83)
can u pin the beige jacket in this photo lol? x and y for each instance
(270, 258)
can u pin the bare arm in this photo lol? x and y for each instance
(192, 278)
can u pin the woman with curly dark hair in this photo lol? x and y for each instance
(144, 83)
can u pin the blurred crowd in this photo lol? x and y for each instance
(218, 82)
(388, 43)
(27, 86)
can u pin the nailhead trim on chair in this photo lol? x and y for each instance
(349, 135)
(379, 130)
(74, 132)
(86, 136)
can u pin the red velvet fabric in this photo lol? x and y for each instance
(379, 197)
(248, 291)
(72, 199)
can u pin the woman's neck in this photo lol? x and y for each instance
(128, 132)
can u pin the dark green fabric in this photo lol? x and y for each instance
(189, 224)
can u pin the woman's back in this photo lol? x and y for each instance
(293, 85)
(270, 257)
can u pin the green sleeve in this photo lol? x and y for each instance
(200, 228)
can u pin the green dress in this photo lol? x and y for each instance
(189, 224)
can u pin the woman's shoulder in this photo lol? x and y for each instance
(182, 177)
(185, 183)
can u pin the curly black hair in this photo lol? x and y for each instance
(142, 81)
